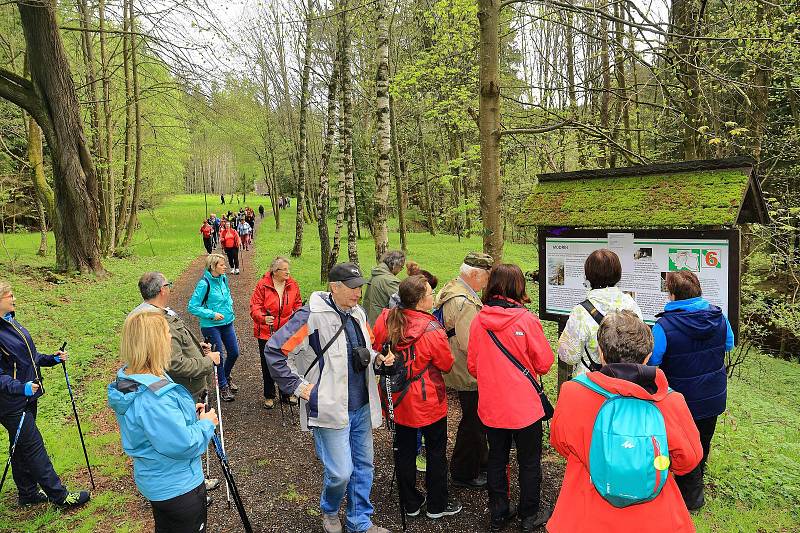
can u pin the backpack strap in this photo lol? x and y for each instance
(584, 380)
(208, 291)
(325, 348)
(592, 310)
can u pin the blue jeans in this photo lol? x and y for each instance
(219, 336)
(346, 456)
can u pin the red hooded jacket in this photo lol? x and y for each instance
(265, 301)
(580, 507)
(230, 238)
(426, 400)
(506, 398)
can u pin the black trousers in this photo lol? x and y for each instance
(435, 472)
(269, 383)
(182, 514)
(691, 484)
(208, 242)
(30, 465)
(470, 452)
(528, 442)
(233, 256)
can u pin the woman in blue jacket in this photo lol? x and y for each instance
(690, 338)
(20, 389)
(162, 429)
(213, 305)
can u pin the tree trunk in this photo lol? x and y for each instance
(133, 218)
(302, 161)
(489, 123)
(122, 214)
(685, 24)
(347, 138)
(426, 186)
(45, 202)
(605, 97)
(51, 100)
(398, 180)
(107, 220)
(323, 197)
(383, 132)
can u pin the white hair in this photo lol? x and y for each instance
(468, 271)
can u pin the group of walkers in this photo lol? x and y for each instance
(475, 337)
(233, 232)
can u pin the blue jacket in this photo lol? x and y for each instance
(219, 301)
(690, 340)
(19, 364)
(161, 432)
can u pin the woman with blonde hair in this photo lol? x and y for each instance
(162, 429)
(212, 303)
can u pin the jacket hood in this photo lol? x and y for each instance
(606, 298)
(456, 287)
(267, 279)
(695, 317)
(321, 302)
(495, 318)
(212, 279)
(417, 323)
(121, 400)
(381, 270)
(628, 379)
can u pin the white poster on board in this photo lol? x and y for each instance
(645, 263)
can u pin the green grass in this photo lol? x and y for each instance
(754, 484)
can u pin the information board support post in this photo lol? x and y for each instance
(564, 369)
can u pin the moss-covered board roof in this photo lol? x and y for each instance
(689, 194)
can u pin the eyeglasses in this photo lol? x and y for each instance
(167, 284)
(282, 270)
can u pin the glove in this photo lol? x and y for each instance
(29, 389)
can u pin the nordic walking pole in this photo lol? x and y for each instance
(75, 412)
(390, 427)
(221, 432)
(208, 454)
(230, 482)
(13, 447)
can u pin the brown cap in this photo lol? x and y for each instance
(479, 260)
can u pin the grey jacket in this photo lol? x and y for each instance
(291, 354)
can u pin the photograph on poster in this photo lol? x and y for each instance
(643, 254)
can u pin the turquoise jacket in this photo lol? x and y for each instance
(219, 300)
(161, 432)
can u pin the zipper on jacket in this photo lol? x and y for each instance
(30, 353)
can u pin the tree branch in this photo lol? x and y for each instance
(21, 92)
(534, 130)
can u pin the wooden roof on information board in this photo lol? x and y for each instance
(704, 193)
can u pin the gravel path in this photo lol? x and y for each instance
(276, 470)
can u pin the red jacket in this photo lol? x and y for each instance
(506, 398)
(206, 230)
(580, 507)
(230, 238)
(265, 299)
(426, 400)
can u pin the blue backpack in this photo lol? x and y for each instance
(629, 455)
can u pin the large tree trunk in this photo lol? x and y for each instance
(426, 186)
(51, 100)
(347, 138)
(399, 180)
(108, 197)
(686, 19)
(323, 197)
(133, 218)
(302, 159)
(122, 214)
(383, 132)
(605, 97)
(489, 123)
(45, 202)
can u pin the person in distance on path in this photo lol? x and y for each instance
(626, 344)
(261, 211)
(508, 404)
(162, 428)
(275, 299)
(420, 346)
(207, 231)
(230, 240)
(328, 343)
(691, 337)
(383, 284)
(212, 303)
(20, 389)
(460, 303)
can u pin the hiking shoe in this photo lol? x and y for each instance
(269, 403)
(209, 501)
(226, 395)
(453, 507)
(331, 523)
(498, 524)
(476, 483)
(39, 497)
(532, 523)
(422, 463)
(74, 499)
(292, 400)
(212, 483)
(232, 386)
(419, 509)
(375, 529)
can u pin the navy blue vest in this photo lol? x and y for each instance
(694, 362)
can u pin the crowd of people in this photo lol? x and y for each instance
(233, 232)
(351, 362)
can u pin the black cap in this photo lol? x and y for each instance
(347, 273)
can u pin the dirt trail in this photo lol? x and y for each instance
(276, 470)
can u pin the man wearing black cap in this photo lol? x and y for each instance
(333, 374)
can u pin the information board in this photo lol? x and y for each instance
(646, 256)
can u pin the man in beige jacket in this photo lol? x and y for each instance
(460, 302)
